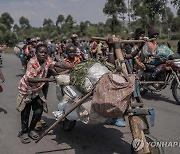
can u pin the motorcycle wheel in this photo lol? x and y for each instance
(68, 125)
(153, 149)
(176, 92)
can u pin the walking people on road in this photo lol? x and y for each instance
(30, 91)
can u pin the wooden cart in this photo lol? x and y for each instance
(136, 112)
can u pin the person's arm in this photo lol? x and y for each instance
(19, 47)
(135, 52)
(62, 65)
(132, 54)
(1, 76)
(32, 72)
(139, 63)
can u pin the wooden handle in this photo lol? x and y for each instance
(134, 121)
(118, 40)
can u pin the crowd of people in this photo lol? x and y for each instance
(41, 61)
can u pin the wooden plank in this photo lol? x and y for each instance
(134, 121)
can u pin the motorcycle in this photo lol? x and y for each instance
(169, 75)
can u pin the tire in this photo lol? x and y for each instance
(153, 149)
(68, 125)
(176, 92)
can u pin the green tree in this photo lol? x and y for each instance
(16, 28)
(176, 3)
(148, 9)
(54, 34)
(3, 28)
(49, 26)
(166, 22)
(10, 38)
(60, 20)
(68, 26)
(92, 30)
(83, 28)
(176, 21)
(69, 21)
(1, 37)
(118, 29)
(24, 23)
(178, 12)
(48, 22)
(7, 20)
(115, 9)
(176, 24)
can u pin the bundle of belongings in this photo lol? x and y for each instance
(111, 91)
(164, 53)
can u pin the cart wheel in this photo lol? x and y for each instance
(68, 125)
(153, 149)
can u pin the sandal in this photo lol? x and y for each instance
(25, 138)
(33, 135)
(43, 123)
(38, 126)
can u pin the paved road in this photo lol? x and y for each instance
(84, 139)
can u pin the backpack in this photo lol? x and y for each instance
(112, 94)
(163, 52)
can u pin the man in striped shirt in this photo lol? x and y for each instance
(30, 91)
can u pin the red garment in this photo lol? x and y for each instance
(27, 51)
(76, 61)
(34, 70)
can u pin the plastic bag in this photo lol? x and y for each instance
(96, 72)
(59, 92)
(63, 79)
(87, 85)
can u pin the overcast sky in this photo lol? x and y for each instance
(36, 10)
